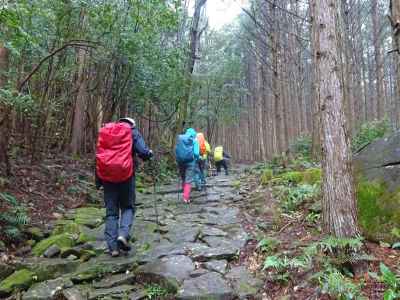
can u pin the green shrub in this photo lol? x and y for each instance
(154, 291)
(369, 132)
(266, 176)
(292, 176)
(13, 217)
(312, 176)
(302, 146)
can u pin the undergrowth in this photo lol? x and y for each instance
(13, 217)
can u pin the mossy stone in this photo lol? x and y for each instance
(378, 210)
(35, 233)
(67, 226)
(63, 241)
(89, 216)
(19, 280)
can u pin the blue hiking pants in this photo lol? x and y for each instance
(119, 200)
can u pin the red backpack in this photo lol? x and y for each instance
(114, 162)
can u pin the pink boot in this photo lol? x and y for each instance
(187, 187)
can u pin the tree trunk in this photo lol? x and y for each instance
(339, 205)
(380, 97)
(78, 125)
(4, 111)
(395, 22)
(194, 39)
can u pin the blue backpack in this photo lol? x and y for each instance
(184, 149)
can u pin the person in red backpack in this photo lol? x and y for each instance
(118, 146)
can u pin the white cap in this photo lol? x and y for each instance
(128, 120)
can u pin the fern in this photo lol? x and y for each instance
(336, 285)
(13, 216)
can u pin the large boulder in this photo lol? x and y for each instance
(377, 171)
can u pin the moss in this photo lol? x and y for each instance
(292, 176)
(379, 210)
(67, 226)
(35, 233)
(312, 176)
(19, 280)
(266, 176)
(236, 184)
(89, 216)
(63, 241)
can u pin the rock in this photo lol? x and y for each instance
(73, 294)
(63, 241)
(23, 251)
(19, 280)
(198, 273)
(138, 295)
(244, 284)
(72, 257)
(47, 289)
(48, 268)
(218, 266)
(208, 286)
(377, 172)
(212, 231)
(5, 270)
(52, 251)
(168, 272)
(35, 233)
(115, 280)
(203, 254)
(183, 233)
(116, 292)
(100, 266)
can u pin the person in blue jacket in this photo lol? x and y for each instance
(120, 199)
(187, 170)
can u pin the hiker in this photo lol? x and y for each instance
(187, 153)
(205, 149)
(221, 159)
(118, 146)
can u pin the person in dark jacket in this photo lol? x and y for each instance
(120, 198)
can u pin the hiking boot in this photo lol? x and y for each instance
(124, 244)
(114, 253)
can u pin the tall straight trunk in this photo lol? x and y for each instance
(78, 125)
(378, 58)
(316, 115)
(4, 111)
(191, 60)
(339, 205)
(395, 22)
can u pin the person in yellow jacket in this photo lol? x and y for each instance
(205, 150)
(221, 159)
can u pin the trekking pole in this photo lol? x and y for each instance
(153, 167)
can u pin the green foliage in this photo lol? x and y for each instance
(13, 217)
(336, 285)
(391, 280)
(302, 147)
(268, 245)
(313, 217)
(154, 291)
(370, 132)
(291, 197)
(266, 176)
(312, 176)
(292, 177)
(282, 265)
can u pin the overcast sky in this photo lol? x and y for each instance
(221, 12)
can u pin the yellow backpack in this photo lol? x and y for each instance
(219, 153)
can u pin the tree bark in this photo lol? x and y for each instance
(339, 205)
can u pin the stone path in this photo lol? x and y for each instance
(188, 253)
